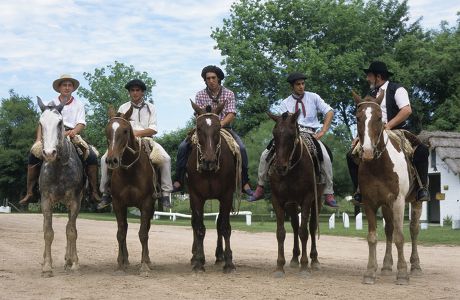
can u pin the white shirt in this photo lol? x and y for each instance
(314, 104)
(401, 98)
(142, 119)
(73, 113)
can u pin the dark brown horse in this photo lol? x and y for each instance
(385, 181)
(132, 184)
(211, 170)
(294, 185)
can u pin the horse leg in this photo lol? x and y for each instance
(48, 232)
(280, 236)
(146, 216)
(120, 213)
(369, 276)
(71, 259)
(219, 248)
(313, 225)
(226, 229)
(416, 211)
(402, 276)
(199, 231)
(295, 250)
(304, 239)
(389, 227)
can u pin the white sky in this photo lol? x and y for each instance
(42, 39)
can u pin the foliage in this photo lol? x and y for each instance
(107, 88)
(18, 121)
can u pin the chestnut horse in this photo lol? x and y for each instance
(294, 185)
(211, 170)
(385, 181)
(132, 184)
(61, 180)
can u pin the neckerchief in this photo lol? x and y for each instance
(68, 101)
(216, 98)
(298, 100)
(139, 107)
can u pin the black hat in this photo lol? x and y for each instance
(136, 82)
(293, 77)
(213, 69)
(378, 67)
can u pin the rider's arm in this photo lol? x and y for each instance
(144, 132)
(402, 116)
(227, 120)
(73, 132)
(326, 124)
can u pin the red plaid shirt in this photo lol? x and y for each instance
(202, 99)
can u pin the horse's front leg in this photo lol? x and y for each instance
(402, 276)
(71, 259)
(219, 247)
(313, 225)
(416, 211)
(121, 214)
(146, 215)
(295, 249)
(280, 236)
(389, 227)
(304, 239)
(199, 231)
(48, 232)
(226, 230)
(369, 276)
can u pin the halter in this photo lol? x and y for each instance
(199, 157)
(62, 146)
(377, 152)
(133, 151)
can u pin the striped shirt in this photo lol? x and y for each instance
(202, 99)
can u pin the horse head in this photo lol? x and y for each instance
(119, 135)
(208, 134)
(52, 128)
(370, 125)
(286, 137)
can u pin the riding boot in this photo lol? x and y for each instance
(91, 172)
(33, 172)
(421, 165)
(353, 171)
(106, 195)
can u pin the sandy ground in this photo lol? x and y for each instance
(343, 263)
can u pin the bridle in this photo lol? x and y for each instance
(377, 152)
(133, 151)
(199, 156)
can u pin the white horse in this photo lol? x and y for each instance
(61, 180)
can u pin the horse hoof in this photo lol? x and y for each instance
(47, 274)
(198, 269)
(229, 269)
(294, 264)
(368, 280)
(402, 280)
(219, 262)
(304, 274)
(386, 272)
(278, 274)
(145, 274)
(119, 272)
(315, 266)
(416, 272)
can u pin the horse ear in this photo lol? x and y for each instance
(219, 108)
(40, 104)
(356, 97)
(60, 107)
(295, 116)
(380, 97)
(272, 116)
(111, 111)
(127, 115)
(196, 108)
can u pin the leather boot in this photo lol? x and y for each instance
(91, 172)
(33, 172)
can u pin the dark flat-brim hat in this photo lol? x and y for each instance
(65, 77)
(378, 67)
(293, 77)
(213, 69)
(136, 82)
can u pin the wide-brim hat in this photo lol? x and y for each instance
(378, 67)
(293, 77)
(65, 77)
(136, 82)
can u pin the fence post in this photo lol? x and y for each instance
(332, 221)
(359, 221)
(346, 220)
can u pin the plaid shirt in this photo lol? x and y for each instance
(202, 99)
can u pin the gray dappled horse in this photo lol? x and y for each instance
(385, 180)
(61, 181)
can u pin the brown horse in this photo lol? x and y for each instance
(211, 170)
(385, 181)
(293, 183)
(132, 184)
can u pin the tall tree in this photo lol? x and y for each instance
(106, 87)
(18, 122)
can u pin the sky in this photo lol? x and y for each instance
(170, 40)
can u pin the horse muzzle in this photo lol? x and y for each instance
(281, 170)
(49, 155)
(113, 162)
(209, 165)
(368, 155)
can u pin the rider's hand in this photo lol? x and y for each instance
(319, 135)
(71, 133)
(354, 142)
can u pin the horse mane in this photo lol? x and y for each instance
(208, 108)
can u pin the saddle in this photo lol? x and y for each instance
(148, 145)
(82, 147)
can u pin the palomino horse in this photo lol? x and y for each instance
(385, 181)
(293, 183)
(61, 180)
(211, 170)
(132, 184)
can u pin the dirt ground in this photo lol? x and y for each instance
(343, 263)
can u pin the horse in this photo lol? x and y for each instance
(61, 180)
(294, 185)
(385, 181)
(211, 167)
(132, 184)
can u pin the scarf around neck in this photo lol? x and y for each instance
(298, 100)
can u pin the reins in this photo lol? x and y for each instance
(199, 155)
(377, 152)
(133, 151)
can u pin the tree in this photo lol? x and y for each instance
(18, 122)
(107, 87)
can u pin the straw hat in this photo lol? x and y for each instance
(65, 77)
